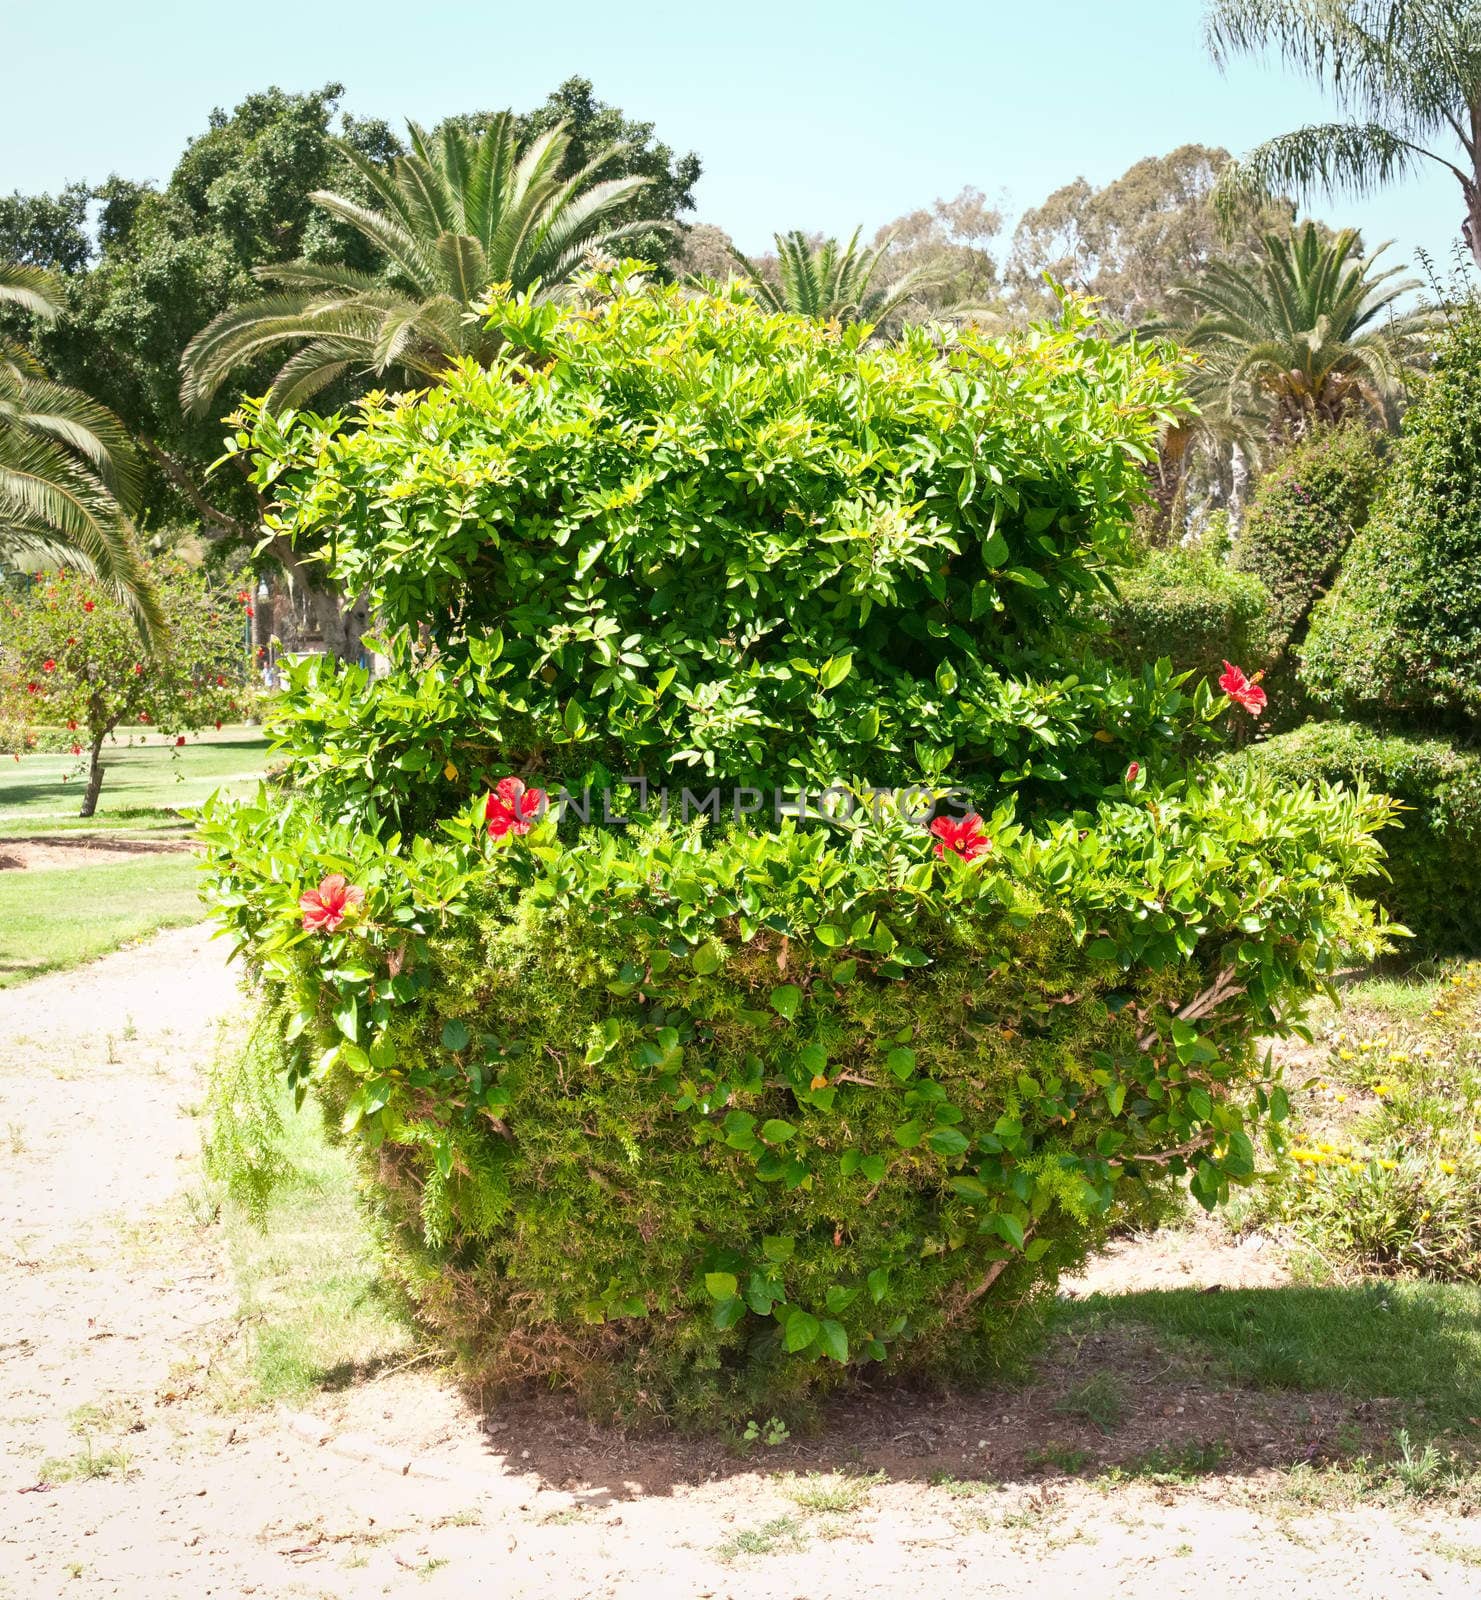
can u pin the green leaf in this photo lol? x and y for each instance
(873, 1168)
(835, 670)
(948, 1141)
(909, 1134)
(785, 999)
(706, 958)
(778, 1246)
(776, 1131)
(994, 549)
(834, 1339)
(720, 1285)
(901, 1062)
(455, 1034)
(1010, 1228)
(347, 1020)
(728, 1312)
(800, 1332)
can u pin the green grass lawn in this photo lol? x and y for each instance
(143, 789)
(1413, 1340)
(60, 917)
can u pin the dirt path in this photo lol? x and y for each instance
(114, 1302)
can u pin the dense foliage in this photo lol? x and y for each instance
(1402, 629)
(71, 659)
(1434, 856)
(1305, 513)
(701, 1114)
(1189, 607)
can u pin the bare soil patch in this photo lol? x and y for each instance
(124, 1477)
(85, 850)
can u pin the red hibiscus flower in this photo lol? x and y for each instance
(87, 605)
(218, 727)
(1242, 690)
(327, 906)
(512, 808)
(33, 688)
(241, 597)
(138, 668)
(48, 665)
(179, 740)
(71, 727)
(143, 716)
(76, 749)
(962, 836)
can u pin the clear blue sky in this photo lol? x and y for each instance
(812, 113)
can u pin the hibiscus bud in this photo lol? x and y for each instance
(1131, 774)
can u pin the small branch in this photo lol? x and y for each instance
(188, 487)
(1201, 1005)
(994, 1272)
(1165, 1157)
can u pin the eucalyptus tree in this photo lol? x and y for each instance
(1404, 74)
(459, 211)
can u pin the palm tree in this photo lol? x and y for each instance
(1305, 333)
(830, 283)
(1406, 74)
(68, 469)
(458, 213)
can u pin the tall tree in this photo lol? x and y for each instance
(162, 261)
(1404, 74)
(1130, 242)
(948, 246)
(1310, 333)
(459, 212)
(830, 282)
(67, 466)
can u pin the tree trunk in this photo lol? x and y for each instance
(341, 622)
(95, 771)
(1239, 483)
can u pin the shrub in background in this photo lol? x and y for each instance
(701, 1117)
(1401, 631)
(1188, 607)
(1305, 512)
(71, 657)
(1434, 850)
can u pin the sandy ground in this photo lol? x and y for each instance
(114, 1303)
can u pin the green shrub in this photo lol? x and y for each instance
(700, 1117)
(1434, 849)
(1401, 631)
(1305, 513)
(1189, 608)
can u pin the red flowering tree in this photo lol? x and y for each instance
(71, 657)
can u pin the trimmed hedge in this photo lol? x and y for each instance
(1434, 850)
(700, 1118)
(1187, 607)
(1401, 632)
(1305, 512)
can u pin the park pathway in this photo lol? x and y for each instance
(127, 1474)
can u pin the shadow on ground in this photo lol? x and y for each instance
(1170, 1385)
